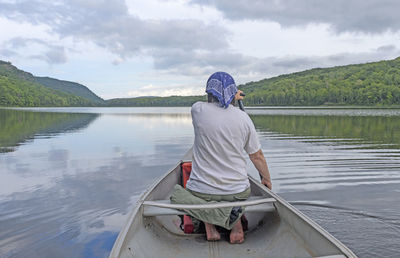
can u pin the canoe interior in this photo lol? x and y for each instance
(275, 234)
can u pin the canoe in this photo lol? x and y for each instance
(275, 228)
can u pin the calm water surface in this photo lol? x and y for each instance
(70, 176)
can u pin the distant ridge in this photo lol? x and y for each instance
(69, 87)
(20, 88)
(172, 101)
(369, 84)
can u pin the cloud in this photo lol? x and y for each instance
(200, 63)
(369, 16)
(8, 53)
(46, 51)
(194, 48)
(244, 68)
(110, 26)
(56, 55)
(298, 63)
(386, 48)
(164, 91)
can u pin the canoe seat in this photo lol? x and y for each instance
(165, 207)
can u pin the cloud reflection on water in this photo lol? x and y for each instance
(69, 192)
(73, 187)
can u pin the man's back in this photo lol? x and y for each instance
(221, 136)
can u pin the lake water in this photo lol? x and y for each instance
(70, 176)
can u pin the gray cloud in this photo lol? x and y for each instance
(48, 52)
(386, 48)
(252, 68)
(371, 16)
(276, 66)
(56, 55)
(8, 53)
(191, 47)
(109, 25)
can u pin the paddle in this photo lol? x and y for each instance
(241, 106)
(241, 102)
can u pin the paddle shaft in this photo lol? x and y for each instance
(241, 106)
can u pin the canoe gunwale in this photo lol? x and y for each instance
(138, 207)
(344, 249)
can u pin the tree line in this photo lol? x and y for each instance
(172, 101)
(365, 84)
(20, 93)
(20, 89)
(370, 84)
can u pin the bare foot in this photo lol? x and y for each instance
(237, 235)
(212, 233)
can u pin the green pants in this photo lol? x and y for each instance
(219, 216)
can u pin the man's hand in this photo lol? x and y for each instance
(267, 183)
(238, 96)
(259, 162)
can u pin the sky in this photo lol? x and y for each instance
(131, 48)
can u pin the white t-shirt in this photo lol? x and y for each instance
(221, 138)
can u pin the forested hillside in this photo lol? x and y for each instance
(19, 88)
(20, 93)
(69, 87)
(368, 84)
(375, 83)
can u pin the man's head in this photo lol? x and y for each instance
(221, 87)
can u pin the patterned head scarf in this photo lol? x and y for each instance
(222, 86)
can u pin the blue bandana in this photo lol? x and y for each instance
(222, 86)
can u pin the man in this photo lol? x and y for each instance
(222, 134)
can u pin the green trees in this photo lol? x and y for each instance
(365, 84)
(172, 101)
(20, 93)
(21, 89)
(69, 87)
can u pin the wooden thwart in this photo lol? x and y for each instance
(164, 207)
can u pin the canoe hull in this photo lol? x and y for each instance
(285, 232)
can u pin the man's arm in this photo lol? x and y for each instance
(260, 163)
